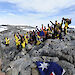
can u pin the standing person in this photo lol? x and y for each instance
(61, 25)
(42, 27)
(21, 39)
(55, 33)
(36, 29)
(48, 27)
(30, 37)
(7, 41)
(60, 30)
(65, 30)
(42, 35)
(23, 44)
(17, 41)
(26, 38)
(34, 37)
(67, 22)
(38, 39)
(49, 32)
(66, 26)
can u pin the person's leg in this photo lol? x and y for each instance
(60, 36)
(66, 30)
(53, 36)
(7, 44)
(17, 46)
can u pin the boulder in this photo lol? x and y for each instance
(34, 59)
(28, 47)
(67, 57)
(26, 71)
(34, 53)
(12, 71)
(35, 71)
(53, 59)
(21, 63)
(72, 37)
(69, 68)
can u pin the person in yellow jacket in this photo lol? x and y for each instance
(23, 44)
(38, 40)
(17, 41)
(49, 29)
(65, 30)
(67, 22)
(66, 26)
(7, 41)
(26, 38)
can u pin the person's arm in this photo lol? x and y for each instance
(64, 19)
(61, 22)
(52, 23)
(19, 34)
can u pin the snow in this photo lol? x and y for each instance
(3, 28)
(28, 29)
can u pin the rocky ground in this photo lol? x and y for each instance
(23, 63)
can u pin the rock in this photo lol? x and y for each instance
(12, 71)
(48, 41)
(34, 50)
(72, 43)
(34, 59)
(65, 51)
(34, 53)
(71, 52)
(73, 71)
(33, 65)
(23, 52)
(43, 52)
(28, 47)
(1, 73)
(21, 63)
(0, 42)
(69, 68)
(35, 71)
(72, 37)
(71, 30)
(67, 57)
(38, 47)
(61, 56)
(53, 59)
(26, 71)
(67, 38)
(74, 60)
(2, 45)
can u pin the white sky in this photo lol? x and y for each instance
(35, 12)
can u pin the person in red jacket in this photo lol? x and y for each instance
(42, 26)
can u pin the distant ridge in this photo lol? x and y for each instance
(4, 25)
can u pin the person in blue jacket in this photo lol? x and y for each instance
(42, 35)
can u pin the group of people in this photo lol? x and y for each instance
(38, 36)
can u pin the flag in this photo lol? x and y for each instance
(49, 68)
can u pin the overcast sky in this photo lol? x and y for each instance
(35, 12)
